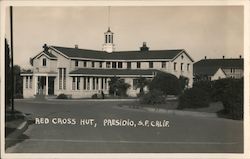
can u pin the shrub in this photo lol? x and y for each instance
(232, 97)
(153, 97)
(193, 98)
(167, 83)
(62, 96)
(118, 87)
(94, 96)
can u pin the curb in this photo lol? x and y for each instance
(173, 112)
(10, 139)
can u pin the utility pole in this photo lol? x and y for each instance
(11, 51)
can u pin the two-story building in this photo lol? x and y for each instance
(82, 73)
(214, 69)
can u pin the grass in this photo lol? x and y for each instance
(173, 104)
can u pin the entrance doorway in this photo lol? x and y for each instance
(51, 86)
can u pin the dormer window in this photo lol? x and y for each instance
(44, 62)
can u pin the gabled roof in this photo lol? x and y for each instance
(210, 66)
(118, 55)
(114, 72)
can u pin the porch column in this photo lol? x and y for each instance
(91, 83)
(47, 85)
(100, 83)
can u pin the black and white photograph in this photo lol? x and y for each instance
(123, 79)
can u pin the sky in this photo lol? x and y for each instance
(212, 31)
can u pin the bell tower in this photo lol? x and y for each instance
(108, 46)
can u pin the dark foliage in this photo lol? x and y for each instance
(7, 75)
(194, 98)
(62, 96)
(153, 97)
(166, 83)
(94, 96)
(230, 93)
(118, 87)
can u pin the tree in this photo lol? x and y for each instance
(7, 76)
(18, 82)
(167, 83)
(142, 82)
(183, 82)
(118, 87)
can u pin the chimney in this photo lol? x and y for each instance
(144, 47)
(240, 56)
(205, 57)
(76, 46)
(223, 57)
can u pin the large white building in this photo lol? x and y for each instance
(81, 73)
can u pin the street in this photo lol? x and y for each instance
(182, 134)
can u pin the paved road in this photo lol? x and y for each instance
(184, 134)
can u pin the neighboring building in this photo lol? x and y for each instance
(82, 73)
(214, 69)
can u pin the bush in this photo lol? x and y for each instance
(62, 96)
(194, 98)
(18, 96)
(153, 97)
(94, 96)
(167, 83)
(232, 97)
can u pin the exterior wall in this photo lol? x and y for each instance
(218, 75)
(234, 72)
(50, 64)
(30, 91)
(184, 72)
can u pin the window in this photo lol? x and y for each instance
(84, 83)
(232, 70)
(44, 62)
(30, 81)
(107, 64)
(78, 83)
(74, 83)
(119, 64)
(97, 83)
(163, 64)
(181, 66)
(76, 63)
(138, 64)
(93, 64)
(151, 64)
(93, 86)
(188, 66)
(113, 64)
(26, 82)
(62, 78)
(88, 83)
(84, 63)
(128, 64)
(135, 83)
(100, 64)
(175, 66)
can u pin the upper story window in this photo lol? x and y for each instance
(128, 64)
(138, 64)
(44, 62)
(175, 66)
(232, 70)
(181, 66)
(100, 64)
(107, 64)
(163, 64)
(93, 64)
(113, 64)
(188, 65)
(119, 64)
(76, 63)
(84, 63)
(151, 64)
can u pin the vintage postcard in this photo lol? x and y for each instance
(116, 79)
